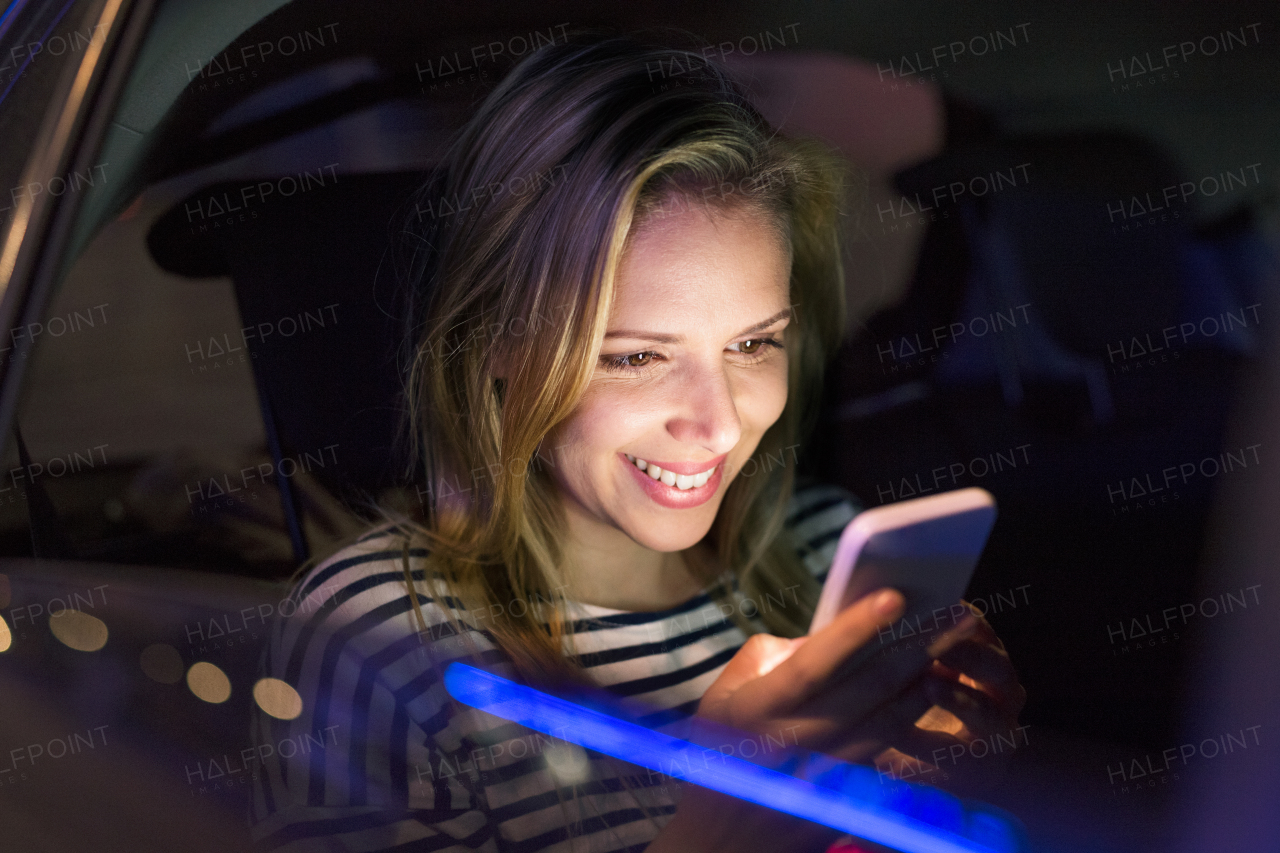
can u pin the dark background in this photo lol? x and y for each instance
(1065, 566)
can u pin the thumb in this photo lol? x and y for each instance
(758, 656)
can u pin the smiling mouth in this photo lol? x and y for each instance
(683, 482)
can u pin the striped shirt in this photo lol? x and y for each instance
(381, 758)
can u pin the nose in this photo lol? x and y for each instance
(706, 410)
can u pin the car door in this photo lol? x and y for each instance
(127, 659)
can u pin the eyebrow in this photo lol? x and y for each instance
(657, 337)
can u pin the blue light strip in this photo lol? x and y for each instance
(674, 757)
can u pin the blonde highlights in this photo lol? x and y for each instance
(578, 148)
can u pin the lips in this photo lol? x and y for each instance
(677, 474)
(679, 485)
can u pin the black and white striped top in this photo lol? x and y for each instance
(382, 759)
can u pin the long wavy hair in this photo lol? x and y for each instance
(520, 231)
(516, 240)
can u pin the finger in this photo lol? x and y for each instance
(962, 631)
(963, 753)
(810, 668)
(982, 717)
(902, 765)
(985, 632)
(833, 731)
(990, 669)
(858, 687)
(926, 745)
(758, 656)
(939, 719)
(890, 720)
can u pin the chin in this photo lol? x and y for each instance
(662, 531)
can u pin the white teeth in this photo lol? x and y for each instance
(670, 478)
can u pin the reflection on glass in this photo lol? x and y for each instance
(277, 698)
(209, 683)
(78, 630)
(161, 662)
(568, 762)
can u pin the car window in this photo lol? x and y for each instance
(155, 370)
(211, 394)
(38, 42)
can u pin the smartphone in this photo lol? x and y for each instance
(926, 548)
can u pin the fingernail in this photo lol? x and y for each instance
(886, 602)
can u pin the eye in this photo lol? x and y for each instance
(632, 361)
(756, 346)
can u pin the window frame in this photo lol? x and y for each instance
(33, 250)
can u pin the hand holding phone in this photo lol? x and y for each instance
(925, 548)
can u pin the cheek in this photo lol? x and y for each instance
(605, 419)
(611, 415)
(764, 397)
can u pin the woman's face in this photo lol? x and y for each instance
(691, 374)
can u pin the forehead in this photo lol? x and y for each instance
(710, 260)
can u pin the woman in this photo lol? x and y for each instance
(628, 288)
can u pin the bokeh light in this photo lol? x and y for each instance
(6, 638)
(78, 630)
(277, 698)
(568, 762)
(209, 683)
(161, 662)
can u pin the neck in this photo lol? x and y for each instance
(607, 568)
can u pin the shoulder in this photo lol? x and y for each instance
(357, 766)
(347, 639)
(354, 586)
(816, 516)
(371, 561)
(353, 616)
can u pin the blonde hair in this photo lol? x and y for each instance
(522, 228)
(519, 235)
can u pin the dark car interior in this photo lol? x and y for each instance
(236, 409)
